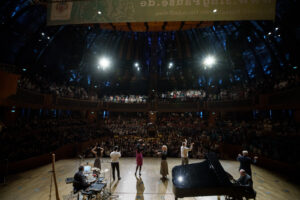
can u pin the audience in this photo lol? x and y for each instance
(213, 92)
(125, 99)
(41, 136)
(38, 84)
(264, 137)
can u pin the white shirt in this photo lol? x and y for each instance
(185, 152)
(115, 156)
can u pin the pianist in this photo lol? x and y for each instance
(245, 179)
(80, 182)
(185, 152)
(245, 162)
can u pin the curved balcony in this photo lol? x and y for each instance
(288, 99)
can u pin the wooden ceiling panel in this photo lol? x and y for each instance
(156, 26)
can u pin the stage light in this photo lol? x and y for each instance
(24, 69)
(43, 34)
(138, 69)
(209, 61)
(170, 65)
(276, 29)
(104, 63)
(215, 10)
(269, 33)
(180, 179)
(48, 38)
(99, 12)
(136, 64)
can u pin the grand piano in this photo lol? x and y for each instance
(207, 178)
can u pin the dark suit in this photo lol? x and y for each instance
(245, 180)
(80, 181)
(245, 163)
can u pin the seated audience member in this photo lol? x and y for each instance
(80, 182)
(245, 179)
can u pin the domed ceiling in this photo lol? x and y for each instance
(244, 50)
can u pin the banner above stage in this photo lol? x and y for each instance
(114, 11)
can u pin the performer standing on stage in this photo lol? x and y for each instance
(245, 162)
(185, 152)
(98, 152)
(164, 171)
(115, 155)
(139, 156)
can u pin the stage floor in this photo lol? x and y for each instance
(35, 184)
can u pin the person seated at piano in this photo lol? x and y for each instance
(245, 179)
(246, 161)
(185, 152)
(80, 181)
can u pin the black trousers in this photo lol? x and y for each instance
(114, 166)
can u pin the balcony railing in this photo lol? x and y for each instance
(286, 99)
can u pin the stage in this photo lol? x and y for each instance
(35, 184)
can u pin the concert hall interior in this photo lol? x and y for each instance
(149, 99)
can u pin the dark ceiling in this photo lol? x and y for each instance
(245, 50)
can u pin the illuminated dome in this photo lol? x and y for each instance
(244, 50)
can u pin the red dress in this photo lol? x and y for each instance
(139, 158)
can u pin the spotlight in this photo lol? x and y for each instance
(170, 65)
(99, 12)
(43, 34)
(209, 61)
(276, 29)
(104, 63)
(48, 38)
(215, 10)
(136, 64)
(24, 69)
(138, 69)
(180, 179)
(269, 33)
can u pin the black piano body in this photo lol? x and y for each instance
(207, 178)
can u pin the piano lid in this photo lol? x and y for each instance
(208, 173)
